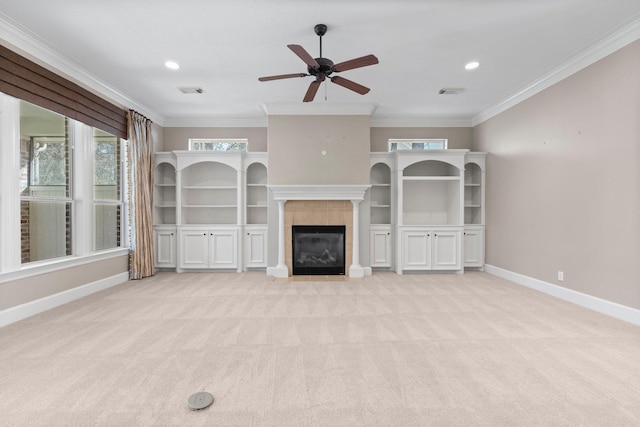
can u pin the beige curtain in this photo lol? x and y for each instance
(140, 195)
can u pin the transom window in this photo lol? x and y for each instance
(417, 144)
(218, 144)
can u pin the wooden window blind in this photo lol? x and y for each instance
(26, 80)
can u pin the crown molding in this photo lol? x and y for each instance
(420, 122)
(23, 41)
(625, 34)
(318, 109)
(185, 122)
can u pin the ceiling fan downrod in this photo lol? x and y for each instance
(320, 30)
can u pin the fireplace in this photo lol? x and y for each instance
(318, 249)
(322, 205)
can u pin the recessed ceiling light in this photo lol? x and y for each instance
(472, 65)
(172, 65)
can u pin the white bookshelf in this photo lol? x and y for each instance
(430, 210)
(211, 199)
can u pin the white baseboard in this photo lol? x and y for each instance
(613, 309)
(19, 312)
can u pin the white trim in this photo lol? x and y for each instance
(613, 309)
(623, 36)
(20, 312)
(420, 122)
(9, 183)
(56, 264)
(318, 192)
(278, 272)
(38, 50)
(323, 109)
(183, 122)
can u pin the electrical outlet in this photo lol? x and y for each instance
(560, 276)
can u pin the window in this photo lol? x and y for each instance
(216, 144)
(45, 184)
(107, 177)
(48, 201)
(417, 144)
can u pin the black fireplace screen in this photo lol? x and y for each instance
(318, 249)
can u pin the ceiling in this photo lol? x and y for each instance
(118, 48)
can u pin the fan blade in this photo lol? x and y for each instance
(311, 92)
(304, 55)
(356, 63)
(350, 85)
(281, 76)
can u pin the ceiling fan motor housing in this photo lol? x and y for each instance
(325, 66)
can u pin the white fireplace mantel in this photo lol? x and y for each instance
(284, 193)
(319, 192)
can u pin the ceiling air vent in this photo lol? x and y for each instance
(451, 91)
(191, 89)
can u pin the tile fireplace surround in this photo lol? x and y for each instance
(318, 205)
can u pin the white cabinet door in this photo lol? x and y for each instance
(164, 243)
(446, 250)
(431, 249)
(416, 250)
(223, 251)
(380, 246)
(473, 247)
(194, 248)
(255, 247)
(208, 248)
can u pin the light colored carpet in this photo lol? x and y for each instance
(388, 350)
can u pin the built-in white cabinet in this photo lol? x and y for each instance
(474, 209)
(380, 245)
(211, 199)
(430, 210)
(208, 248)
(164, 244)
(430, 249)
(474, 246)
(255, 246)
(427, 210)
(381, 198)
(164, 211)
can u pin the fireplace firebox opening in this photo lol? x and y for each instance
(318, 249)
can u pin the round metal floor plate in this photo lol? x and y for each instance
(200, 400)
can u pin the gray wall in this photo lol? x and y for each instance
(459, 137)
(296, 145)
(17, 292)
(563, 181)
(178, 138)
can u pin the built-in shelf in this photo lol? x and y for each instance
(431, 178)
(473, 194)
(164, 189)
(256, 194)
(380, 194)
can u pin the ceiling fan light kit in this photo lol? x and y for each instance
(321, 68)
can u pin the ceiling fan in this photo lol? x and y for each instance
(322, 68)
